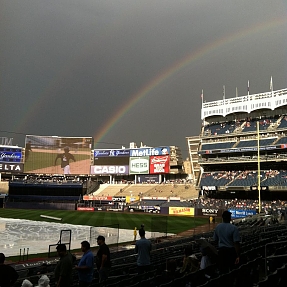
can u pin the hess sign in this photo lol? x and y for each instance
(139, 165)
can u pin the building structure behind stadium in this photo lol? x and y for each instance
(225, 161)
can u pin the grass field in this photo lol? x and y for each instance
(175, 224)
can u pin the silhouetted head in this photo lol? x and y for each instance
(141, 232)
(226, 216)
(85, 246)
(101, 240)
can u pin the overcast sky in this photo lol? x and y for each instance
(132, 70)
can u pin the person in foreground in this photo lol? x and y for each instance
(85, 267)
(44, 281)
(103, 259)
(143, 248)
(228, 239)
(8, 275)
(64, 268)
(26, 283)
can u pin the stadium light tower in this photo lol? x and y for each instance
(258, 166)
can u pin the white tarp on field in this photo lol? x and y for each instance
(16, 234)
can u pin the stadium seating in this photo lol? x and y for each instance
(213, 146)
(259, 264)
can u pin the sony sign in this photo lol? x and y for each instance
(110, 169)
(209, 210)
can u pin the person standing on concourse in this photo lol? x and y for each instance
(64, 268)
(143, 248)
(228, 239)
(85, 267)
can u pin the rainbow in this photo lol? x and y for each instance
(179, 65)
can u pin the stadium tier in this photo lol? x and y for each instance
(242, 147)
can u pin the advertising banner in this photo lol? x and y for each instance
(154, 198)
(12, 167)
(139, 165)
(238, 213)
(181, 211)
(130, 199)
(57, 155)
(159, 164)
(119, 199)
(98, 198)
(208, 187)
(148, 178)
(10, 154)
(150, 151)
(86, 208)
(112, 160)
(109, 169)
(243, 149)
(208, 212)
(111, 152)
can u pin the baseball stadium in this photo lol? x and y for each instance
(60, 190)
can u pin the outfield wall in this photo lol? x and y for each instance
(41, 205)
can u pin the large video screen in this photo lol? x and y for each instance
(57, 155)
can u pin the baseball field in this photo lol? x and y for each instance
(175, 224)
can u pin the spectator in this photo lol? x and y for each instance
(135, 234)
(26, 283)
(190, 261)
(142, 227)
(44, 281)
(205, 259)
(103, 259)
(227, 237)
(143, 249)
(63, 270)
(85, 267)
(8, 275)
(43, 269)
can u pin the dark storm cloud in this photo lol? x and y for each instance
(68, 66)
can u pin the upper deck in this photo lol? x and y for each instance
(270, 100)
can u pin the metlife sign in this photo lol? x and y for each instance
(139, 165)
(154, 151)
(111, 152)
(109, 169)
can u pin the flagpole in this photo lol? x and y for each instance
(203, 120)
(258, 166)
(271, 86)
(201, 97)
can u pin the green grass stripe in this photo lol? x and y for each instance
(176, 224)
